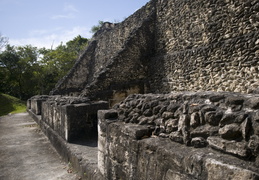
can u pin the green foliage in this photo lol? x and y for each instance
(95, 28)
(56, 63)
(77, 45)
(17, 65)
(10, 104)
(26, 71)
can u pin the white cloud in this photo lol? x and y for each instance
(69, 12)
(42, 32)
(63, 16)
(52, 37)
(69, 8)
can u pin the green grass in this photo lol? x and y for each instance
(10, 104)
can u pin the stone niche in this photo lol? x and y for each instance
(204, 135)
(72, 118)
(35, 103)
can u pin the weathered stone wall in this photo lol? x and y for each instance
(70, 123)
(172, 46)
(35, 103)
(127, 70)
(114, 60)
(215, 132)
(206, 45)
(72, 118)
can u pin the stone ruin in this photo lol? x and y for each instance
(169, 93)
(186, 135)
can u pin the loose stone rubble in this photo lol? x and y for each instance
(224, 121)
(187, 135)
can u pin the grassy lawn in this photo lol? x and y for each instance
(10, 104)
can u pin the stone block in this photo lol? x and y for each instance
(195, 120)
(28, 104)
(230, 132)
(121, 150)
(253, 103)
(213, 118)
(72, 121)
(36, 103)
(232, 147)
(193, 164)
(234, 100)
(198, 142)
(176, 137)
(205, 131)
(170, 174)
(216, 97)
(81, 119)
(217, 170)
(254, 145)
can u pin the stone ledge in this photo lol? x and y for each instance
(198, 163)
(161, 158)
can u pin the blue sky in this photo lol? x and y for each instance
(43, 22)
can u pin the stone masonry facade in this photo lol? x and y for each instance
(206, 45)
(171, 46)
(224, 121)
(204, 135)
(181, 79)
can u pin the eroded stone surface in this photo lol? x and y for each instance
(219, 170)
(71, 118)
(169, 46)
(125, 156)
(193, 119)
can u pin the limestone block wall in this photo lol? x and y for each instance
(169, 46)
(113, 40)
(116, 47)
(35, 103)
(128, 69)
(206, 45)
(181, 135)
(71, 118)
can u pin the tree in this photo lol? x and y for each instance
(77, 45)
(17, 67)
(56, 63)
(3, 42)
(63, 57)
(29, 68)
(26, 71)
(8, 63)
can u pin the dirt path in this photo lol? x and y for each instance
(26, 154)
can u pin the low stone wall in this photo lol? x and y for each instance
(183, 135)
(81, 156)
(35, 103)
(72, 118)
